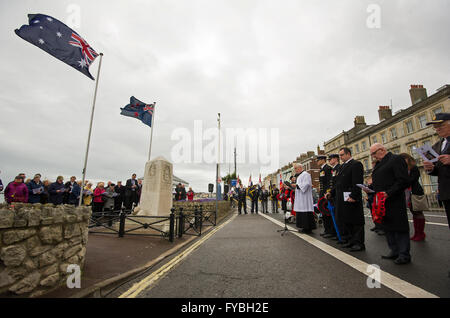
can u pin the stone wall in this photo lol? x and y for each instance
(37, 243)
(223, 207)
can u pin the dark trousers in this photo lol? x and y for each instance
(355, 234)
(328, 225)
(241, 204)
(447, 210)
(341, 225)
(284, 205)
(255, 206)
(97, 206)
(274, 206)
(398, 243)
(264, 207)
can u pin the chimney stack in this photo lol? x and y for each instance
(360, 123)
(384, 112)
(418, 93)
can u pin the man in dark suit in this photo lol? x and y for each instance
(324, 188)
(253, 193)
(118, 200)
(130, 191)
(441, 168)
(347, 195)
(390, 177)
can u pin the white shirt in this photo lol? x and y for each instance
(303, 201)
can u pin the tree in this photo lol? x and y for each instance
(227, 179)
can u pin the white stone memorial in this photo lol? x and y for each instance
(156, 195)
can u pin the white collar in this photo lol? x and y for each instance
(348, 160)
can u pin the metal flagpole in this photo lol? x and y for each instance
(151, 134)
(90, 129)
(217, 172)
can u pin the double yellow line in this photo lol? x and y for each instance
(137, 288)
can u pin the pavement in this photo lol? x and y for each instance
(110, 260)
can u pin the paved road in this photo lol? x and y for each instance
(248, 258)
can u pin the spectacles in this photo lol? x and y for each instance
(373, 153)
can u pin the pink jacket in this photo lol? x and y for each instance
(16, 192)
(98, 195)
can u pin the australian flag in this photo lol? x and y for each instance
(139, 110)
(57, 39)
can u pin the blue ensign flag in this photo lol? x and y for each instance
(139, 110)
(58, 40)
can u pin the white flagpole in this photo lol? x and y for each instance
(151, 134)
(90, 129)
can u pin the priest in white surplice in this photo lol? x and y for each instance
(303, 204)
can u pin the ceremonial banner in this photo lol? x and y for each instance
(58, 40)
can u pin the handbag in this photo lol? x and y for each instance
(419, 203)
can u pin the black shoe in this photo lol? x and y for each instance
(342, 242)
(390, 256)
(328, 235)
(381, 232)
(374, 228)
(348, 245)
(357, 248)
(402, 261)
(335, 238)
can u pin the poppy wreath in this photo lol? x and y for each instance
(322, 205)
(378, 207)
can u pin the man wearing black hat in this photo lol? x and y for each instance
(441, 168)
(325, 185)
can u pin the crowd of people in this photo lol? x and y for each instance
(112, 197)
(109, 197)
(392, 190)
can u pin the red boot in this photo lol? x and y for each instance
(415, 222)
(420, 230)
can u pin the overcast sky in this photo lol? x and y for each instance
(304, 67)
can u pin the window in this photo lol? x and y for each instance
(396, 150)
(366, 164)
(357, 148)
(423, 121)
(374, 139)
(413, 153)
(409, 127)
(383, 138)
(364, 146)
(437, 110)
(393, 133)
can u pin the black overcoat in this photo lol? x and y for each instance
(390, 175)
(442, 172)
(349, 175)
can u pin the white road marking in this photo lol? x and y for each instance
(411, 221)
(396, 284)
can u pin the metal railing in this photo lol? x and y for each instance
(114, 222)
(189, 222)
